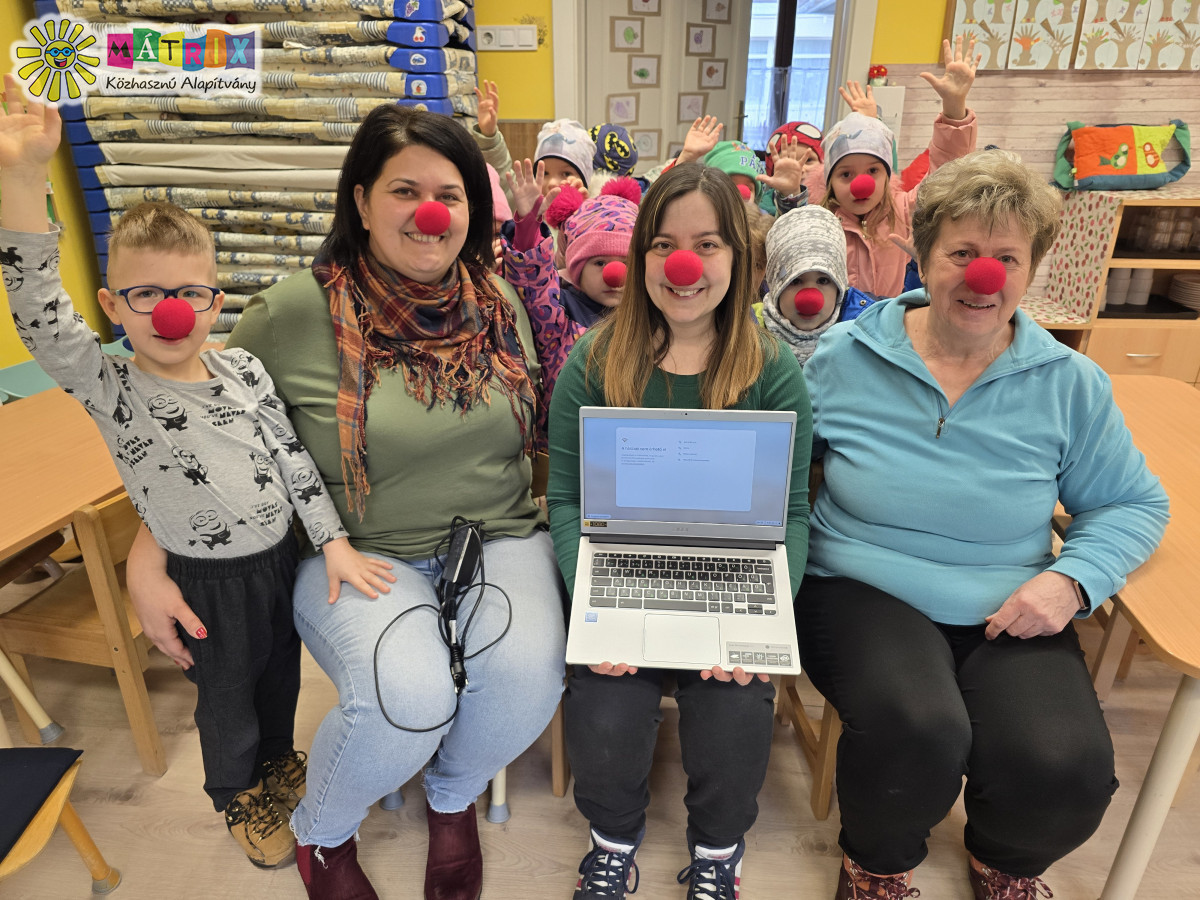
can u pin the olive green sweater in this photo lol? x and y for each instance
(780, 386)
(424, 466)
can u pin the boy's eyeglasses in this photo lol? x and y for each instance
(144, 297)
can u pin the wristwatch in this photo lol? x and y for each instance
(1082, 595)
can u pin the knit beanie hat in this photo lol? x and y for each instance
(803, 133)
(501, 211)
(602, 226)
(567, 139)
(808, 239)
(736, 158)
(615, 151)
(858, 134)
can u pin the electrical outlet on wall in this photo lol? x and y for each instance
(506, 37)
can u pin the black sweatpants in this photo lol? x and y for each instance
(724, 735)
(924, 705)
(247, 671)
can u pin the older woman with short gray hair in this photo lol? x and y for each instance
(934, 615)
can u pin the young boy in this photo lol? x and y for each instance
(209, 460)
(806, 279)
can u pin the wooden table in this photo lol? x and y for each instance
(1160, 601)
(52, 462)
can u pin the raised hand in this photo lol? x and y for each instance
(489, 108)
(700, 139)
(29, 132)
(858, 100)
(526, 187)
(788, 176)
(955, 82)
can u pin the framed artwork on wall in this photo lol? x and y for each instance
(712, 74)
(622, 108)
(648, 141)
(674, 149)
(626, 35)
(643, 70)
(643, 7)
(692, 106)
(700, 39)
(716, 10)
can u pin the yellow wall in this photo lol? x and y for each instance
(525, 77)
(77, 252)
(908, 31)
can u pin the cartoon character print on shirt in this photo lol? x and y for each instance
(133, 449)
(320, 535)
(168, 412)
(23, 328)
(50, 310)
(262, 470)
(287, 441)
(239, 360)
(305, 485)
(210, 529)
(122, 415)
(192, 467)
(14, 269)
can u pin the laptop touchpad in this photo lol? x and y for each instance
(682, 639)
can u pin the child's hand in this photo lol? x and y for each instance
(489, 108)
(29, 132)
(858, 100)
(574, 181)
(700, 139)
(787, 179)
(526, 188)
(903, 244)
(344, 563)
(956, 81)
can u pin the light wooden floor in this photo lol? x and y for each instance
(167, 841)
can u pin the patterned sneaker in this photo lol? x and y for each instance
(855, 883)
(285, 777)
(607, 870)
(714, 874)
(988, 884)
(259, 827)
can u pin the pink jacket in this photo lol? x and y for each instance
(877, 266)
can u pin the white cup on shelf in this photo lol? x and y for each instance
(1138, 295)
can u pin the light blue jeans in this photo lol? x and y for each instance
(515, 685)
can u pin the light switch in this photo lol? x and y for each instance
(527, 37)
(508, 38)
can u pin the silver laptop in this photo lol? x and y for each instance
(681, 560)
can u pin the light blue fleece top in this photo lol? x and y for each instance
(949, 508)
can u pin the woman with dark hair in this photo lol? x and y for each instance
(674, 345)
(406, 374)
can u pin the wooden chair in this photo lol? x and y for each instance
(40, 771)
(86, 617)
(818, 740)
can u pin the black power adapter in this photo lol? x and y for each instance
(459, 572)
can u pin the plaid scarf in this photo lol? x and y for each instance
(449, 339)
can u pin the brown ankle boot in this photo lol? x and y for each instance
(333, 873)
(454, 867)
(988, 884)
(857, 884)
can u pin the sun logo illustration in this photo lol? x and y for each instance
(57, 59)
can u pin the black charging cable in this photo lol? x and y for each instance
(460, 565)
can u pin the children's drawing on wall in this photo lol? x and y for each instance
(990, 22)
(648, 141)
(627, 34)
(1112, 34)
(1172, 36)
(622, 109)
(1043, 32)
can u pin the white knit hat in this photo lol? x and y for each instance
(858, 134)
(808, 239)
(567, 139)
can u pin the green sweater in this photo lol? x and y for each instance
(425, 466)
(780, 386)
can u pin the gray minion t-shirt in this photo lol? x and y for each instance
(213, 467)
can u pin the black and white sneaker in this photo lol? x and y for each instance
(714, 874)
(608, 871)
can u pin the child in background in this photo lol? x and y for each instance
(594, 241)
(805, 138)
(501, 213)
(615, 151)
(858, 154)
(208, 458)
(806, 279)
(760, 226)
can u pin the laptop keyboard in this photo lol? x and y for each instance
(713, 584)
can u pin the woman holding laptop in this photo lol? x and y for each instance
(682, 337)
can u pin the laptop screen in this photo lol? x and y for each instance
(646, 471)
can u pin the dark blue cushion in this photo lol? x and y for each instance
(28, 775)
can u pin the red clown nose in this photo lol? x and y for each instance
(744, 190)
(613, 273)
(432, 217)
(862, 187)
(173, 318)
(986, 275)
(809, 301)
(683, 267)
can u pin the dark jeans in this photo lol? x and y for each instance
(925, 705)
(724, 734)
(247, 670)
